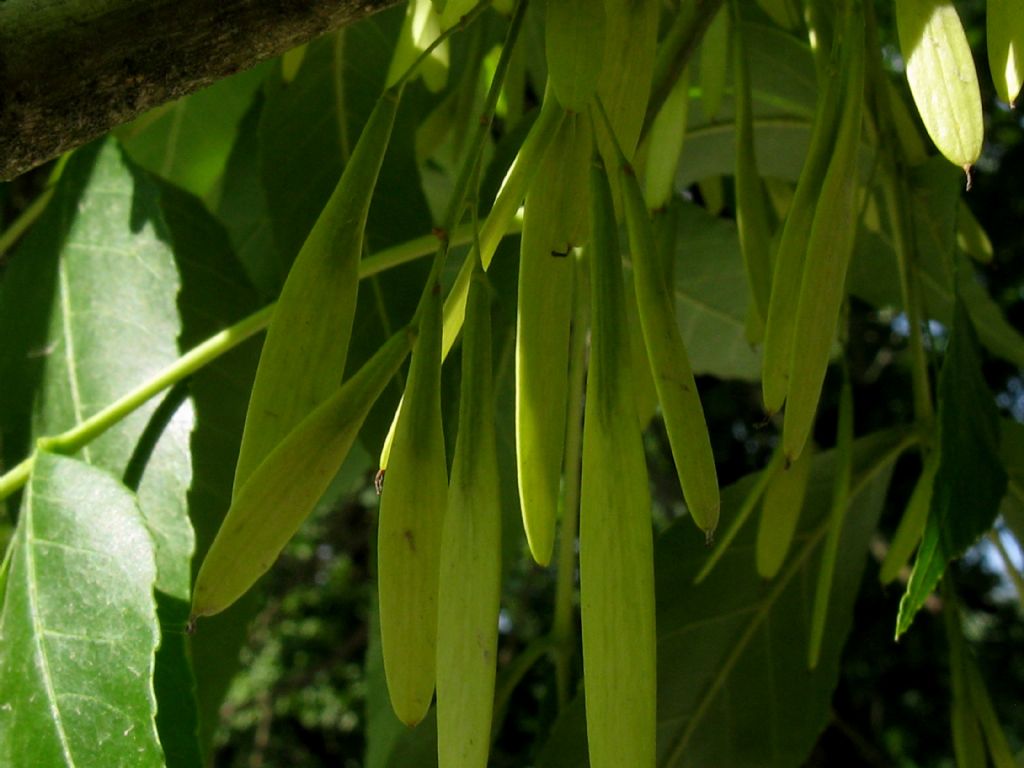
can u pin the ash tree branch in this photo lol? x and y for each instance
(70, 70)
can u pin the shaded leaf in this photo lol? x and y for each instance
(970, 481)
(734, 648)
(712, 295)
(187, 141)
(78, 629)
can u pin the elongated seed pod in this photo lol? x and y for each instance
(544, 316)
(792, 251)
(837, 514)
(670, 364)
(714, 63)
(495, 226)
(574, 33)
(631, 45)
(665, 145)
(317, 304)
(911, 527)
(823, 285)
(780, 512)
(616, 548)
(282, 491)
(412, 509)
(470, 581)
(942, 78)
(751, 213)
(1004, 23)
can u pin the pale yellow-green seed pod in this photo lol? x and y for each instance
(493, 229)
(470, 580)
(942, 77)
(574, 40)
(823, 285)
(714, 63)
(271, 505)
(670, 363)
(317, 305)
(665, 144)
(792, 250)
(1004, 22)
(780, 513)
(631, 45)
(544, 316)
(751, 211)
(412, 506)
(616, 547)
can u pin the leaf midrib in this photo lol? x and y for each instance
(38, 630)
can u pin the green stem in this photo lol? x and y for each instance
(28, 217)
(562, 626)
(17, 477)
(411, 250)
(83, 434)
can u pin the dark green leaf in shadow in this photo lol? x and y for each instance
(79, 626)
(733, 685)
(970, 481)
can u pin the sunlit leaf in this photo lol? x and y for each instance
(79, 626)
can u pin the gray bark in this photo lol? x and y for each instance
(70, 70)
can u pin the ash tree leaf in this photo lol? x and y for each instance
(187, 141)
(733, 649)
(711, 296)
(79, 626)
(971, 480)
(91, 298)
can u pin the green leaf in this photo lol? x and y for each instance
(95, 285)
(79, 626)
(187, 141)
(245, 213)
(970, 481)
(734, 648)
(712, 295)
